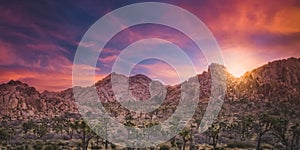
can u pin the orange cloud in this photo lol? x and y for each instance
(38, 48)
(50, 80)
(251, 33)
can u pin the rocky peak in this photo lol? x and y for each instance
(216, 66)
(15, 83)
(140, 77)
(19, 87)
(138, 86)
(277, 79)
(285, 71)
(20, 101)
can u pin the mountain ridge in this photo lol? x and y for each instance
(277, 80)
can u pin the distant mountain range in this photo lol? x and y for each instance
(275, 81)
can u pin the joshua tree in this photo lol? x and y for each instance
(295, 131)
(128, 120)
(40, 130)
(213, 132)
(263, 125)
(148, 128)
(84, 132)
(68, 127)
(173, 126)
(27, 126)
(280, 128)
(243, 127)
(3, 135)
(58, 124)
(102, 129)
(186, 135)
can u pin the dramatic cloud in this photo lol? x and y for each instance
(38, 40)
(251, 33)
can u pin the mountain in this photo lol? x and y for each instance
(138, 85)
(277, 80)
(20, 101)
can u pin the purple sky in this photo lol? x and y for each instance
(38, 39)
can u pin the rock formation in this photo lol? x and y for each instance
(276, 80)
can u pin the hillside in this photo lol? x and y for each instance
(262, 106)
(278, 80)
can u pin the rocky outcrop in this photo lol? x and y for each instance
(276, 80)
(19, 101)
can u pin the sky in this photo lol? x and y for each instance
(38, 39)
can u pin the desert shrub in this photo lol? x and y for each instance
(238, 145)
(50, 147)
(96, 147)
(164, 147)
(113, 146)
(19, 147)
(266, 146)
(37, 146)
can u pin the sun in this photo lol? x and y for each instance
(237, 69)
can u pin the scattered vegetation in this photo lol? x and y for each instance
(277, 128)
